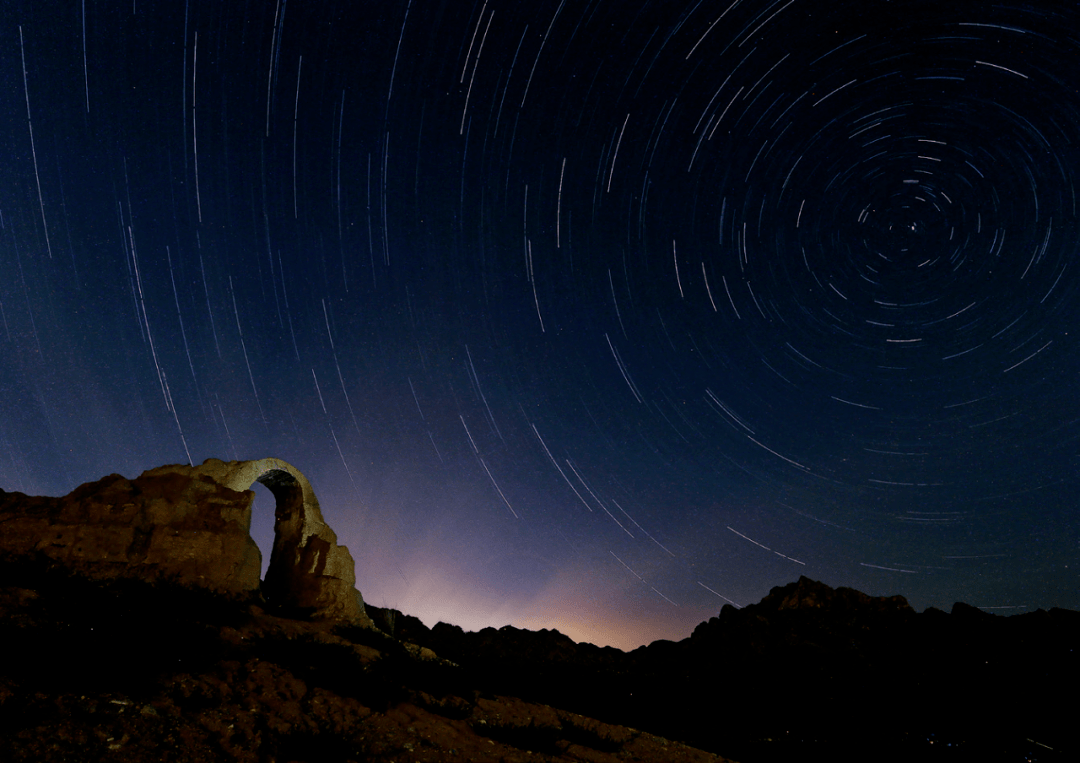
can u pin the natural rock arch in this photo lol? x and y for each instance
(191, 526)
(309, 572)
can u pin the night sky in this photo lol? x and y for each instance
(586, 315)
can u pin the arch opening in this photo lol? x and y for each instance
(278, 574)
(263, 510)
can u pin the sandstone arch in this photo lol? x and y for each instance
(190, 525)
(309, 573)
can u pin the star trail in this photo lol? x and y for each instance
(578, 314)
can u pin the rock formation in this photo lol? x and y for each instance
(131, 609)
(219, 675)
(190, 525)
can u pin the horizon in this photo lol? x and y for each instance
(262, 533)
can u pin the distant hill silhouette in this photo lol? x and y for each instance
(809, 668)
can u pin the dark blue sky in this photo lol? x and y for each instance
(587, 315)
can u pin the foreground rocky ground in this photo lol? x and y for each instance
(132, 673)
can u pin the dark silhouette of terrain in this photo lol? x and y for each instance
(131, 672)
(134, 628)
(808, 669)
(128, 671)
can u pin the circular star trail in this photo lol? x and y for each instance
(586, 315)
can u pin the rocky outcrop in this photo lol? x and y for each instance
(159, 528)
(807, 594)
(190, 525)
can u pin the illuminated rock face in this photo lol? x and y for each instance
(191, 525)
